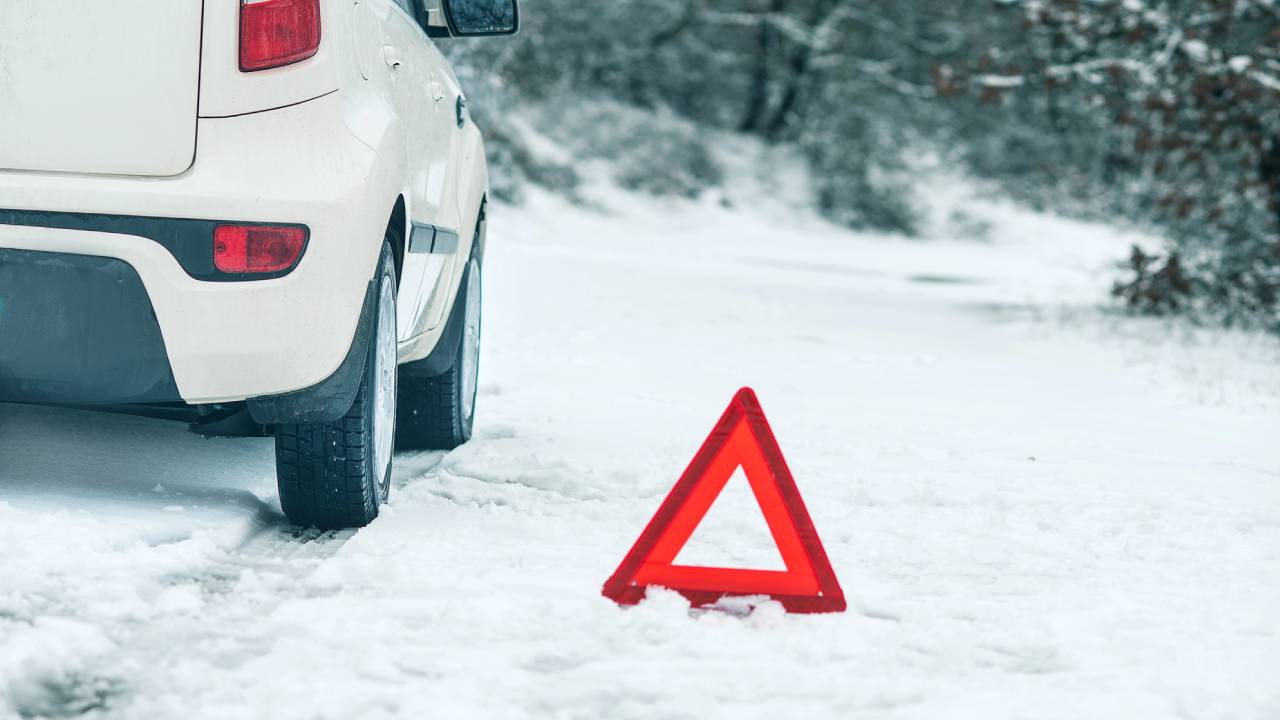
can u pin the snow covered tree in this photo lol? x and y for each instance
(1159, 112)
(1172, 108)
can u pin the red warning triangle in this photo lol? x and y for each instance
(743, 439)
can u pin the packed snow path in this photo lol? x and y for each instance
(1035, 510)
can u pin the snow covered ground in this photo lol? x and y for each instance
(1036, 509)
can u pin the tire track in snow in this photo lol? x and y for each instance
(189, 570)
(217, 612)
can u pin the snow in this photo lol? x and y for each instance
(1240, 63)
(1036, 508)
(1001, 81)
(733, 533)
(1197, 50)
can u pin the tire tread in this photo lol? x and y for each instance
(324, 471)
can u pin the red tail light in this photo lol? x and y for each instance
(257, 249)
(277, 32)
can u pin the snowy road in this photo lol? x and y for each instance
(1035, 511)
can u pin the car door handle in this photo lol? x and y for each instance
(391, 57)
(437, 91)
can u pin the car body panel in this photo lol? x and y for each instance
(63, 64)
(336, 143)
(226, 91)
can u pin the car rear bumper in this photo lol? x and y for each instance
(228, 341)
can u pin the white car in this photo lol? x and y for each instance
(261, 217)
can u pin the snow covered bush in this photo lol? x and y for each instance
(658, 153)
(1169, 112)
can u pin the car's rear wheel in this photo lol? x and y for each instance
(438, 410)
(336, 475)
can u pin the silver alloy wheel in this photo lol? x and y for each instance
(384, 394)
(471, 341)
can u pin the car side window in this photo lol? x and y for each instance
(415, 10)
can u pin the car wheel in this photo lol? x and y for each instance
(438, 411)
(336, 475)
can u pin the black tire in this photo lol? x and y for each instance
(434, 410)
(327, 473)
